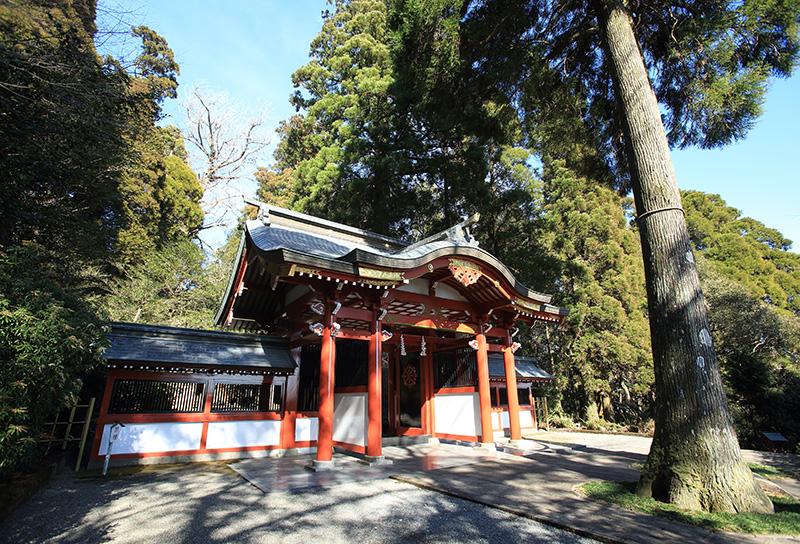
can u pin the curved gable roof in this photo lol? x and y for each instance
(283, 237)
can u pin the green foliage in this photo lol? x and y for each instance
(160, 196)
(785, 520)
(339, 150)
(710, 63)
(275, 188)
(758, 347)
(61, 136)
(89, 183)
(745, 250)
(49, 338)
(601, 356)
(168, 287)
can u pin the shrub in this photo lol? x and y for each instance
(49, 337)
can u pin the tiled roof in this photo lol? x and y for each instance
(526, 368)
(131, 342)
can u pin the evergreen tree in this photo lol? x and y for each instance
(745, 250)
(710, 63)
(601, 355)
(340, 149)
(88, 182)
(758, 345)
(64, 116)
(160, 196)
(169, 286)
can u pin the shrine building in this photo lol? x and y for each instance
(340, 338)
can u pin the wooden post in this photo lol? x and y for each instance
(484, 391)
(374, 430)
(511, 388)
(69, 428)
(327, 369)
(85, 432)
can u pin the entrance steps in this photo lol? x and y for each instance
(405, 440)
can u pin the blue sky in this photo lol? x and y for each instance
(248, 49)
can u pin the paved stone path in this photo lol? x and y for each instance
(291, 474)
(436, 494)
(211, 503)
(620, 443)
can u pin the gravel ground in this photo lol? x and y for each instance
(210, 503)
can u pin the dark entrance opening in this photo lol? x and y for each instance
(410, 391)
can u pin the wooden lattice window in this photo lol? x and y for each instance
(308, 386)
(156, 397)
(247, 397)
(455, 368)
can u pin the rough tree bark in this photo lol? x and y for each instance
(695, 461)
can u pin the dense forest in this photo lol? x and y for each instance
(404, 126)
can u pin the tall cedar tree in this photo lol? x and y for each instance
(709, 63)
(340, 149)
(64, 115)
(601, 355)
(82, 167)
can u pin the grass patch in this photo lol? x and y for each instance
(785, 520)
(771, 473)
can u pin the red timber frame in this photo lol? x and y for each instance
(288, 415)
(486, 314)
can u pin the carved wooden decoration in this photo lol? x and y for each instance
(317, 328)
(465, 272)
(409, 376)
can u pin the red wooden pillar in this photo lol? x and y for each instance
(511, 388)
(374, 431)
(327, 365)
(427, 389)
(484, 391)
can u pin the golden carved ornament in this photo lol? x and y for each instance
(465, 272)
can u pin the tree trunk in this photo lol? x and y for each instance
(694, 461)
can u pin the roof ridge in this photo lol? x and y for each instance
(118, 327)
(267, 210)
(457, 233)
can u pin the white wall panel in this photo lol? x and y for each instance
(306, 429)
(445, 291)
(457, 413)
(419, 286)
(504, 419)
(526, 419)
(242, 434)
(153, 437)
(496, 421)
(350, 418)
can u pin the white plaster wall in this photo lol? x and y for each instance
(504, 419)
(445, 291)
(242, 434)
(457, 413)
(306, 429)
(418, 286)
(526, 419)
(350, 418)
(496, 421)
(153, 437)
